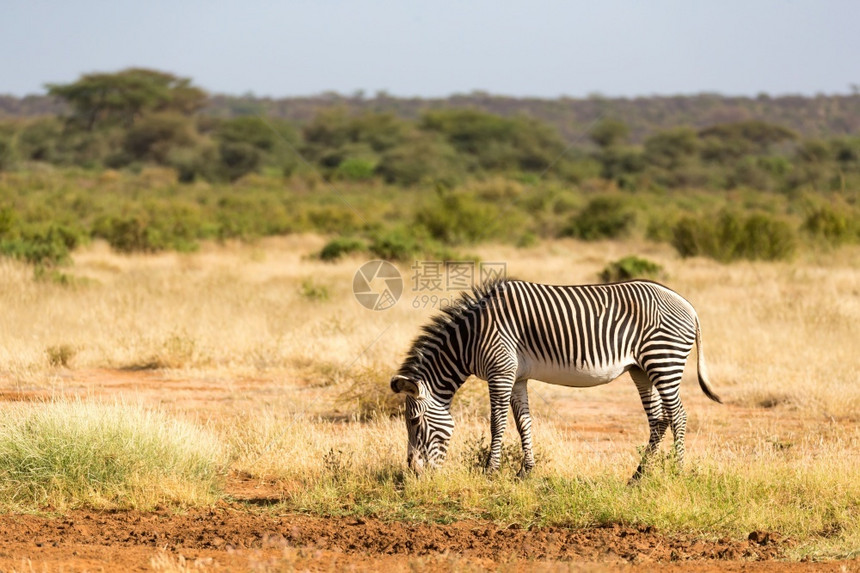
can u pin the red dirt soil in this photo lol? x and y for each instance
(250, 534)
(234, 536)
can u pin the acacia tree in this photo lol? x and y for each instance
(123, 97)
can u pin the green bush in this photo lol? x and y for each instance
(422, 159)
(248, 216)
(396, 244)
(336, 218)
(356, 169)
(835, 227)
(340, 246)
(158, 226)
(604, 217)
(455, 218)
(732, 236)
(766, 238)
(129, 234)
(42, 246)
(630, 267)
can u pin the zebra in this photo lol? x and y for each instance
(509, 331)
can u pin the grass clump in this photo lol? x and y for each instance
(60, 355)
(313, 291)
(68, 454)
(369, 395)
(630, 267)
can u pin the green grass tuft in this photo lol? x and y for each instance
(68, 454)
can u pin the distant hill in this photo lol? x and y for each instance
(819, 116)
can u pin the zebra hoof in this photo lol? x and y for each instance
(637, 477)
(524, 472)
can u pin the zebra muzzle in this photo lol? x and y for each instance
(415, 461)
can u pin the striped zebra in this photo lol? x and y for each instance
(508, 332)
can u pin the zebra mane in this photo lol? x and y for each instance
(449, 315)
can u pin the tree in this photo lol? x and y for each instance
(671, 148)
(497, 143)
(154, 137)
(123, 97)
(422, 158)
(609, 132)
(730, 141)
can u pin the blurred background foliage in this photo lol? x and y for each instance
(147, 161)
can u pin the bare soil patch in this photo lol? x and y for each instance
(234, 536)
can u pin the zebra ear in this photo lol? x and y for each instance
(403, 384)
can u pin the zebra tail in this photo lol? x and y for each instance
(702, 370)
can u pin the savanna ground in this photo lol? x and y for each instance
(251, 390)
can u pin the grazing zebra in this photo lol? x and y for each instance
(507, 332)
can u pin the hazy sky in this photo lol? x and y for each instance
(436, 48)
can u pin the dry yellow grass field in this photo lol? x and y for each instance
(266, 346)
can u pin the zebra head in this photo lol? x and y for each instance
(429, 424)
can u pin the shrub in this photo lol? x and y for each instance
(161, 226)
(835, 227)
(340, 246)
(767, 238)
(733, 237)
(129, 234)
(43, 247)
(245, 217)
(421, 159)
(355, 169)
(334, 218)
(396, 244)
(603, 218)
(630, 267)
(455, 218)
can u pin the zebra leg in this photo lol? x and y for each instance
(657, 419)
(670, 392)
(500, 400)
(520, 407)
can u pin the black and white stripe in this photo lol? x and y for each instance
(507, 332)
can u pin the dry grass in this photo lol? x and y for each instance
(776, 334)
(305, 402)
